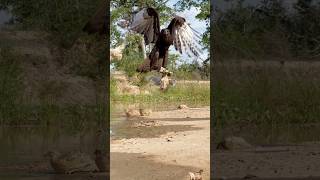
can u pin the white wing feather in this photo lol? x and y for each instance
(187, 40)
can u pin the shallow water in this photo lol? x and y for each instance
(127, 129)
(123, 127)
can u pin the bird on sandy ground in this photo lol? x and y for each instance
(165, 80)
(196, 175)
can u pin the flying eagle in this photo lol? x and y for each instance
(178, 33)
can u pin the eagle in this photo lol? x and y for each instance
(146, 22)
(178, 33)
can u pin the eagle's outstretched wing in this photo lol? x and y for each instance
(146, 22)
(185, 38)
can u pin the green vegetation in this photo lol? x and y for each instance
(268, 97)
(122, 10)
(16, 110)
(72, 57)
(266, 74)
(267, 92)
(268, 30)
(10, 80)
(192, 94)
(64, 20)
(184, 93)
(185, 71)
(132, 56)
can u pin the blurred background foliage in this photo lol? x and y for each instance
(56, 26)
(267, 30)
(63, 18)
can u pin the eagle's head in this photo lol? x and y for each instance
(166, 37)
(165, 31)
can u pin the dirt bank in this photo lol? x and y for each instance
(49, 72)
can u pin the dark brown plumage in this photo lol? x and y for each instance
(178, 33)
(159, 54)
(146, 22)
(156, 26)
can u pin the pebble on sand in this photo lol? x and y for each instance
(145, 112)
(132, 113)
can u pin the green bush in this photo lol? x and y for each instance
(64, 19)
(267, 30)
(11, 84)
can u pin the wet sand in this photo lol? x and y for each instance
(133, 166)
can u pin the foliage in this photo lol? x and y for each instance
(124, 10)
(10, 80)
(131, 56)
(304, 29)
(65, 19)
(16, 110)
(265, 96)
(267, 30)
(192, 93)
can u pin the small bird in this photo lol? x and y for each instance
(196, 176)
(165, 81)
(145, 112)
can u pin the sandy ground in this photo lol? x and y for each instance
(192, 82)
(272, 162)
(171, 155)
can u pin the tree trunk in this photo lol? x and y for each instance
(143, 47)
